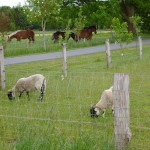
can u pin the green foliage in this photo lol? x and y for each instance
(136, 20)
(99, 13)
(80, 22)
(121, 34)
(20, 18)
(67, 30)
(4, 22)
(4, 25)
(42, 10)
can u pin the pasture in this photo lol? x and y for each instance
(62, 121)
(15, 48)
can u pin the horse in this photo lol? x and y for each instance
(92, 28)
(22, 34)
(86, 33)
(56, 35)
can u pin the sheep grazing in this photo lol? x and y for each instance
(31, 83)
(105, 101)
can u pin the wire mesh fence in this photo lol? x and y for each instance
(62, 120)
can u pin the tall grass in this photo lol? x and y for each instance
(62, 121)
(15, 48)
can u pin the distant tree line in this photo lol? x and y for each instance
(96, 12)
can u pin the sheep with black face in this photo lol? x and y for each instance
(31, 83)
(105, 102)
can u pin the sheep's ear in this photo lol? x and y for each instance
(9, 91)
(98, 107)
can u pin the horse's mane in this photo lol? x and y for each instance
(59, 32)
(89, 27)
(13, 33)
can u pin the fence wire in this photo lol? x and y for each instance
(62, 120)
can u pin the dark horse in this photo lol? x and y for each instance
(56, 35)
(86, 33)
(22, 34)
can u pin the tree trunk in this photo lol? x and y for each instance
(127, 12)
(43, 33)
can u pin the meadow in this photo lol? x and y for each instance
(15, 48)
(62, 121)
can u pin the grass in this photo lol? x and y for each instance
(15, 48)
(62, 121)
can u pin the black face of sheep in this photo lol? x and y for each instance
(10, 95)
(93, 112)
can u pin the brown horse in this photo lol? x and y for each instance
(22, 34)
(86, 33)
(56, 35)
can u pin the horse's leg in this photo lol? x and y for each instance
(29, 38)
(18, 39)
(32, 39)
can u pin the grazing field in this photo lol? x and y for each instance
(62, 121)
(15, 48)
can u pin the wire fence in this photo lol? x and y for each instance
(62, 120)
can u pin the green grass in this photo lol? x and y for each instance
(62, 121)
(15, 48)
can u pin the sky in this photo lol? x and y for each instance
(11, 3)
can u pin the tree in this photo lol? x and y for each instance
(19, 17)
(4, 25)
(43, 11)
(121, 33)
(80, 22)
(9, 13)
(131, 8)
(128, 10)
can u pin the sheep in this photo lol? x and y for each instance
(104, 102)
(31, 83)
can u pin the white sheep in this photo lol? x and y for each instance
(105, 101)
(31, 83)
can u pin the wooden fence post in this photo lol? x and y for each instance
(64, 61)
(108, 57)
(140, 47)
(121, 110)
(2, 69)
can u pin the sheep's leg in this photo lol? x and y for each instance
(103, 115)
(41, 96)
(27, 93)
(42, 92)
(20, 94)
(112, 110)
